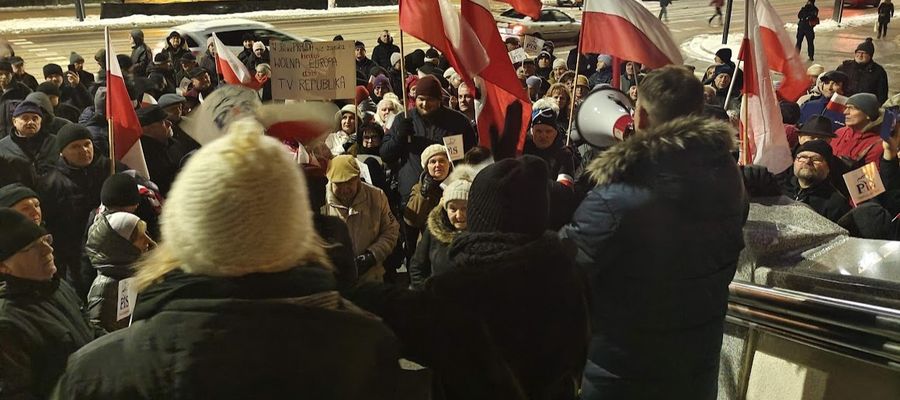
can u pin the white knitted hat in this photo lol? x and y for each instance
(239, 206)
(458, 184)
(123, 223)
(431, 151)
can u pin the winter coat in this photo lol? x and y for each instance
(8, 102)
(141, 59)
(163, 162)
(823, 198)
(41, 324)
(431, 256)
(260, 336)
(77, 96)
(865, 78)
(885, 12)
(207, 61)
(16, 171)
(862, 144)
(659, 237)
(175, 54)
(806, 13)
(508, 304)
(601, 76)
(26, 79)
(381, 54)
(419, 206)
(39, 151)
(68, 196)
(99, 128)
(561, 161)
(370, 222)
(404, 149)
(112, 256)
(340, 251)
(815, 106)
(363, 71)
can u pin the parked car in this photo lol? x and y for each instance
(552, 25)
(230, 31)
(570, 3)
(861, 3)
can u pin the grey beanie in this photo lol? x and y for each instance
(867, 103)
(75, 58)
(43, 101)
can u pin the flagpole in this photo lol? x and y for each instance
(112, 147)
(403, 74)
(575, 82)
(745, 145)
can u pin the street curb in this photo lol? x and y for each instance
(95, 24)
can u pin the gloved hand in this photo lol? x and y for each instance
(404, 127)
(428, 184)
(365, 261)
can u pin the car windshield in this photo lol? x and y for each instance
(554, 15)
(511, 13)
(235, 37)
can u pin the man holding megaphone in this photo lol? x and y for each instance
(659, 237)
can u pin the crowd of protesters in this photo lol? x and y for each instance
(505, 276)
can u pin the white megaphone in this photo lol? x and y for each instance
(604, 118)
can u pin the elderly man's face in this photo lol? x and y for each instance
(811, 167)
(31, 208)
(862, 57)
(56, 79)
(385, 37)
(34, 262)
(346, 191)
(174, 112)
(28, 124)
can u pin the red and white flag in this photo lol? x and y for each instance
(780, 52)
(437, 22)
(125, 132)
(763, 140)
(837, 103)
(626, 29)
(231, 69)
(499, 85)
(531, 8)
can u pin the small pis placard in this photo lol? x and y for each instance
(127, 294)
(864, 183)
(454, 145)
(518, 55)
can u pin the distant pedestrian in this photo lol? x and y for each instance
(885, 13)
(808, 18)
(141, 56)
(663, 12)
(864, 74)
(717, 4)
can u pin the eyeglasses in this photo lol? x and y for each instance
(815, 159)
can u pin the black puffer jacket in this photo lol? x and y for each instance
(381, 54)
(112, 256)
(41, 323)
(261, 336)
(38, 151)
(659, 237)
(431, 252)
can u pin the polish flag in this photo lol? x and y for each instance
(626, 29)
(125, 132)
(437, 22)
(780, 52)
(837, 103)
(500, 87)
(531, 8)
(302, 122)
(232, 69)
(763, 139)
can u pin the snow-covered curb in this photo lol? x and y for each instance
(92, 23)
(704, 47)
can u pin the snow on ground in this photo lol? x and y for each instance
(69, 24)
(703, 47)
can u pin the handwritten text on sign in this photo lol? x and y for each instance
(313, 70)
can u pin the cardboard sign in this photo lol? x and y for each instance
(313, 70)
(226, 104)
(125, 298)
(183, 87)
(533, 45)
(518, 55)
(454, 145)
(364, 173)
(864, 183)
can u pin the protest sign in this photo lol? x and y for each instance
(864, 183)
(313, 70)
(454, 145)
(226, 104)
(127, 293)
(533, 45)
(518, 55)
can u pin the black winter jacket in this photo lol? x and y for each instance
(865, 78)
(261, 336)
(824, 198)
(38, 151)
(659, 237)
(41, 324)
(8, 102)
(381, 54)
(113, 256)
(408, 137)
(431, 256)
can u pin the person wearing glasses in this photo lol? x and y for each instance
(811, 183)
(41, 321)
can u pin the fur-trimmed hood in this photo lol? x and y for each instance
(646, 147)
(440, 227)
